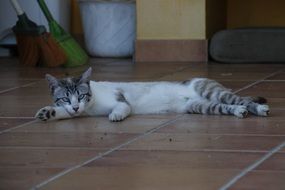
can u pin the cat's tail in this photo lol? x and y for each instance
(260, 100)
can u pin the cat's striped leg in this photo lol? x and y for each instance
(49, 113)
(254, 105)
(214, 91)
(215, 108)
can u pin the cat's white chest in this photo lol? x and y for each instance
(103, 100)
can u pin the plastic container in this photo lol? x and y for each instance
(109, 27)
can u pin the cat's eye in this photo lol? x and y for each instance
(65, 99)
(81, 96)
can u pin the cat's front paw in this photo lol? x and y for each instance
(115, 117)
(46, 113)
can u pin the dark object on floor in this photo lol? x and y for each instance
(248, 45)
(35, 45)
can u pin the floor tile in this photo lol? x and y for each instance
(203, 125)
(135, 71)
(266, 89)
(177, 159)
(12, 69)
(276, 162)
(141, 178)
(24, 178)
(133, 125)
(33, 157)
(9, 84)
(279, 76)
(277, 114)
(276, 103)
(188, 142)
(32, 73)
(80, 140)
(261, 180)
(222, 72)
(25, 101)
(157, 170)
(6, 123)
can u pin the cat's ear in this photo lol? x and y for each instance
(53, 82)
(85, 77)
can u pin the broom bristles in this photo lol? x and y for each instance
(40, 50)
(51, 54)
(75, 54)
(28, 49)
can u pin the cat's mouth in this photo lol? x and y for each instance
(76, 114)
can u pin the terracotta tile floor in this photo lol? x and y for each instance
(143, 152)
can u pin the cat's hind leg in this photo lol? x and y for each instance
(214, 91)
(215, 108)
(254, 105)
(49, 113)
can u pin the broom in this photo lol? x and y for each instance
(35, 45)
(76, 55)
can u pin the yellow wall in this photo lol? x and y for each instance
(171, 19)
(197, 19)
(243, 13)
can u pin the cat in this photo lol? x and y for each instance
(82, 97)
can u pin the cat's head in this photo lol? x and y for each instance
(71, 93)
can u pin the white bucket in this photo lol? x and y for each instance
(109, 27)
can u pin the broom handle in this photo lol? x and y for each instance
(45, 10)
(17, 7)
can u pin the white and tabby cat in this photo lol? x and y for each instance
(80, 96)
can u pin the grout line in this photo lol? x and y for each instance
(189, 134)
(107, 152)
(96, 149)
(4, 117)
(274, 80)
(14, 88)
(252, 166)
(126, 150)
(183, 68)
(258, 81)
(17, 127)
(233, 134)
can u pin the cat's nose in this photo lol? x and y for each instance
(75, 109)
